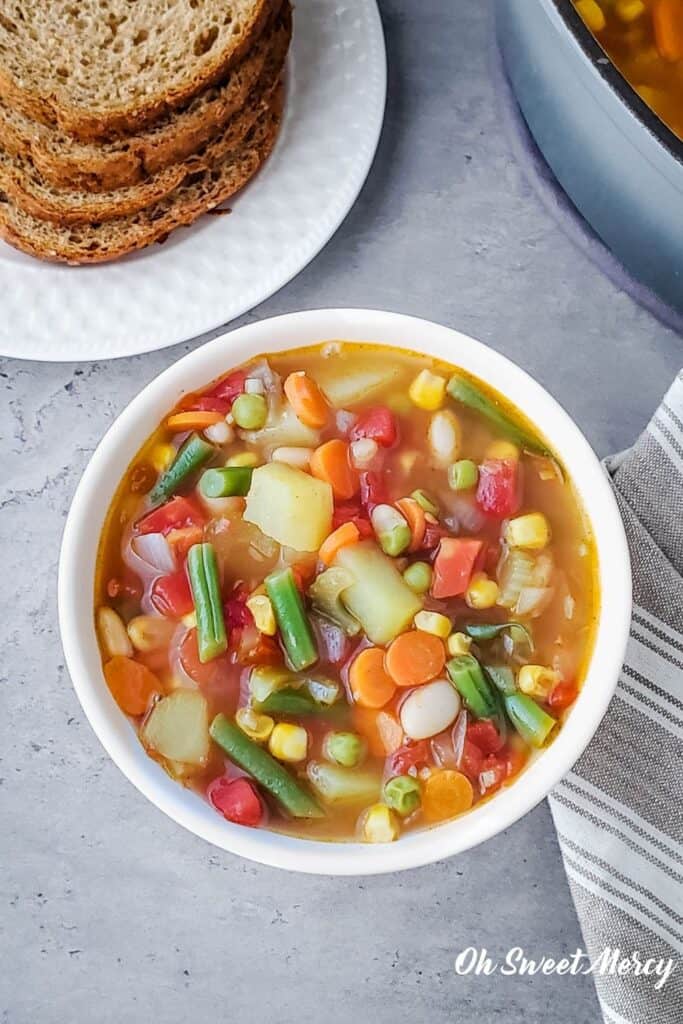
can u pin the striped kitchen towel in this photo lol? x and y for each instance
(619, 813)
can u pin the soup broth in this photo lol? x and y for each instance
(345, 592)
(644, 40)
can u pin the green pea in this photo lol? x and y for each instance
(418, 576)
(250, 411)
(344, 748)
(462, 475)
(402, 794)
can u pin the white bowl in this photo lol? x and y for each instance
(139, 420)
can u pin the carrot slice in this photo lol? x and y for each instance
(414, 514)
(132, 685)
(381, 729)
(414, 658)
(344, 535)
(371, 687)
(445, 794)
(330, 462)
(667, 17)
(195, 420)
(307, 400)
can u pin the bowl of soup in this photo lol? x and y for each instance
(600, 84)
(344, 591)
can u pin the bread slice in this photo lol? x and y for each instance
(22, 184)
(65, 163)
(101, 68)
(198, 194)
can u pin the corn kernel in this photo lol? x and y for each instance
(427, 391)
(592, 14)
(433, 622)
(248, 459)
(458, 643)
(189, 620)
(481, 592)
(529, 531)
(257, 727)
(380, 825)
(288, 742)
(161, 456)
(536, 680)
(264, 617)
(630, 10)
(502, 450)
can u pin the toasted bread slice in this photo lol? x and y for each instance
(68, 164)
(200, 193)
(102, 68)
(23, 185)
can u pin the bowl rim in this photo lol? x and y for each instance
(119, 446)
(616, 81)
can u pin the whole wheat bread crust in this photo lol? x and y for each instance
(89, 244)
(92, 125)
(21, 183)
(67, 164)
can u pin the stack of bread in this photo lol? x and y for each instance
(121, 120)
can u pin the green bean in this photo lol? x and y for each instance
(226, 482)
(479, 696)
(531, 722)
(268, 772)
(502, 677)
(463, 390)
(290, 701)
(191, 456)
(489, 631)
(295, 629)
(202, 569)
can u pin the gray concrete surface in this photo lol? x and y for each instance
(111, 913)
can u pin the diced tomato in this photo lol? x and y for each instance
(471, 760)
(562, 695)
(237, 615)
(454, 565)
(379, 424)
(485, 736)
(304, 574)
(372, 490)
(182, 540)
(206, 403)
(351, 512)
(491, 559)
(171, 595)
(492, 773)
(515, 759)
(237, 800)
(229, 388)
(412, 755)
(499, 488)
(174, 515)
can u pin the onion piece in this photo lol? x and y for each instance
(154, 549)
(533, 600)
(458, 736)
(345, 420)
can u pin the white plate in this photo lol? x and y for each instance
(208, 274)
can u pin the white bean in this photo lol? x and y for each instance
(112, 633)
(429, 709)
(444, 437)
(299, 458)
(363, 452)
(150, 632)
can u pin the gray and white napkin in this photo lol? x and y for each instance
(619, 813)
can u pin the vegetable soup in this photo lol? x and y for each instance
(344, 592)
(644, 40)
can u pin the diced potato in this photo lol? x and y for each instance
(379, 597)
(283, 428)
(292, 507)
(178, 728)
(335, 784)
(349, 382)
